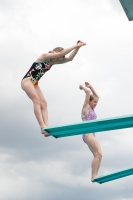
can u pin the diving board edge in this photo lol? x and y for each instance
(92, 126)
(113, 176)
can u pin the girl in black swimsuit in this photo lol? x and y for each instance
(30, 81)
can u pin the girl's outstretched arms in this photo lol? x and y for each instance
(53, 54)
(92, 89)
(73, 54)
(86, 105)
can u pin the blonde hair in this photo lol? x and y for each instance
(57, 49)
(92, 96)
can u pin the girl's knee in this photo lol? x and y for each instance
(36, 100)
(43, 104)
(98, 154)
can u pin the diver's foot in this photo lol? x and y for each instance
(46, 134)
(92, 179)
(43, 130)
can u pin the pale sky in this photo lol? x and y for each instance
(33, 167)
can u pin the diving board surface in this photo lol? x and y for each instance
(113, 176)
(91, 126)
(128, 8)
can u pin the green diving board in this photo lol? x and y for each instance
(113, 176)
(128, 8)
(91, 126)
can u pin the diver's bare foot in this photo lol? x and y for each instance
(92, 179)
(43, 130)
(46, 134)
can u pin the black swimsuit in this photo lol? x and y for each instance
(37, 70)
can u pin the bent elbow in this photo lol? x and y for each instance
(70, 59)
